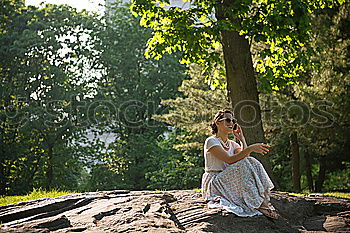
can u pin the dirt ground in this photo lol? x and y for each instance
(169, 211)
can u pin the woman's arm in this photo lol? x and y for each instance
(221, 154)
(244, 143)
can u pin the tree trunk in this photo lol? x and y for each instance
(321, 175)
(295, 162)
(310, 181)
(3, 178)
(33, 171)
(242, 86)
(49, 172)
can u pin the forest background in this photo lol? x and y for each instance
(70, 78)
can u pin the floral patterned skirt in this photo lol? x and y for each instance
(240, 188)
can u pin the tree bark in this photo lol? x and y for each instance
(33, 171)
(295, 162)
(310, 181)
(321, 174)
(241, 85)
(49, 172)
(3, 178)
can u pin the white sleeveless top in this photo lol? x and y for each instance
(211, 162)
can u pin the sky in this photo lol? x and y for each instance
(91, 5)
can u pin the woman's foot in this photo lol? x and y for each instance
(269, 211)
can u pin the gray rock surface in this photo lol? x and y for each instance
(169, 211)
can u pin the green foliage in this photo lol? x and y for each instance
(174, 169)
(282, 27)
(190, 114)
(316, 108)
(129, 93)
(42, 54)
(63, 72)
(339, 179)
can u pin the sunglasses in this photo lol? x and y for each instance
(229, 120)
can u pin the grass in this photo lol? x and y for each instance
(337, 195)
(41, 193)
(35, 194)
(327, 194)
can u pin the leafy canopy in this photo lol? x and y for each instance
(281, 27)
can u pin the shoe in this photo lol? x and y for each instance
(269, 212)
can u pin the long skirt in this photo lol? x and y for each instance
(241, 188)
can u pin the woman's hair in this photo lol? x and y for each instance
(219, 115)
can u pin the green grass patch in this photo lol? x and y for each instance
(337, 195)
(296, 194)
(35, 194)
(327, 194)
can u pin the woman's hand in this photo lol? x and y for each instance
(239, 133)
(260, 148)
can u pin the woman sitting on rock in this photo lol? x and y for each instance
(233, 180)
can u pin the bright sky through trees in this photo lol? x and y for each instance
(91, 5)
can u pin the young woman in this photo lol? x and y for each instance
(234, 180)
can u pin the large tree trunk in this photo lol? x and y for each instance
(242, 86)
(310, 181)
(295, 162)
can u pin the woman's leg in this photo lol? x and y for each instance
(246, 182)
(266, 207)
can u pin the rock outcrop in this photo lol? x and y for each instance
(169, 211)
